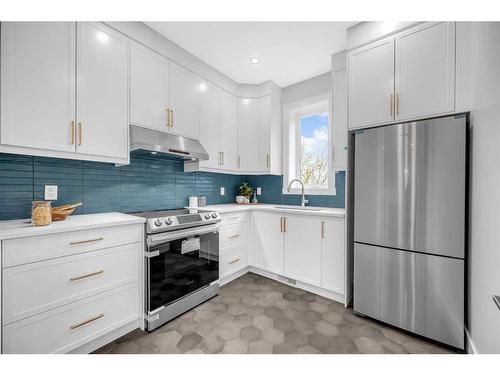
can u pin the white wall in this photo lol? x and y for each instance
(478, 88)
(307, 89)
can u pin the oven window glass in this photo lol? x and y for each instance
(173, 275)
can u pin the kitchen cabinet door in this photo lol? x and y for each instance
(184, 102)
(264, 146)
(339, 119)
(38, 85)
(228, 131)
(371, 84)
(333, 255)
(149, 88)
(209, 124)
(302, 255)
(425, 70)
(267, 252)
(102, 96)
(248, 134)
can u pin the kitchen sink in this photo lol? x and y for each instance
(299, 208)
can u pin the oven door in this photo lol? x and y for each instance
(179, 263)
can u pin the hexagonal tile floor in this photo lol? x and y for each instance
(254, 314)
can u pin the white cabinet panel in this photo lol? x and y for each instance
(267, 251)
(303, 248)
(102, 96)
(38, 84)
(248, 134)
(183, 102)
(371, 84)
(425, 70)
(209, 124)
(339, 118)
(264, 144)
(149, 88)
(333, 255)
(228, 131)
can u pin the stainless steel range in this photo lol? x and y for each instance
(182, 262)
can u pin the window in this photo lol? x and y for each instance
(307, 135)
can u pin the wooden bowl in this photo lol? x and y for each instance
(59, 215)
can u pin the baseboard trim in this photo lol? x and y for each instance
(233, 276)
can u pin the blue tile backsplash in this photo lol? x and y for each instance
(144, 184)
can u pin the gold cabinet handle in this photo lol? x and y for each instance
(235, 236)
(76, 278)
(168, 118)
(392, 104)
(239, 161)
(281, 224)
(397, 103)
(268, 159)
(322, 229)
(234, 260)
(86, 241)
(80, 133)
(89, 320)
(171, 118)
(284, 224)
(72, 132)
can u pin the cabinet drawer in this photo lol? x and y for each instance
(233, 218)
(231, 236)
(67, 279)
(33, 249)
(233, 261)
(69, 326)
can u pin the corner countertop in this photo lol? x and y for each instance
(10, 229)
(233, 207)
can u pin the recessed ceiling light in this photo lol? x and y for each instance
(102, 37)
(203, 87)
(255, 60)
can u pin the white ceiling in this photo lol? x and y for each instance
(290, 52)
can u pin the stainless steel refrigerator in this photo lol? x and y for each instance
(410, 225)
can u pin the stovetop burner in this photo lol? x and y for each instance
(179, 218)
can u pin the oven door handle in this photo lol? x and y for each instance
(157, 239)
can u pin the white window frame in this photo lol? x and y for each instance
(292, 113)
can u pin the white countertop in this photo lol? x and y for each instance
(232, 207)
(23, 228)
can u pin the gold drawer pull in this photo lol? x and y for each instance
(234, 260)
(235, 236)
(80, 134)
(90, 320)
(72, 132)
(86, 241)
(76, 278)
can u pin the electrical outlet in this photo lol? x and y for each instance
(50, 192)
(222, 191)
(259, 191)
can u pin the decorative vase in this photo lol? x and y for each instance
(240, 199)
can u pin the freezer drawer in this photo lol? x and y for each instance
(409, 186)
(421, 293)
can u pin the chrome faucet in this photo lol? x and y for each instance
(289, 188)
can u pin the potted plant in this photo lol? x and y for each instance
(245, 192)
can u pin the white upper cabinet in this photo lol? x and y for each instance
(425, 70)
(228, 131)
(183, 102)
(339, 118)
(149, 88)
(333, 254)
(407, 76)
(264, 143)
(303, 248)
(38, 85)
(102, 91)
(209, 124)
(371, 84)
(248, 134)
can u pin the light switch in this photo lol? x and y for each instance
(50, 192)
(223, 191)
(259, 191)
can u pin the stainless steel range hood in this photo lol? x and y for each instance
(150, 142)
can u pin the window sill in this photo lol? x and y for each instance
(331, 191)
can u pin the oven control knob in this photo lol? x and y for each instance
(157, 222)
(168, 220)
(214, 215)
(207, 215)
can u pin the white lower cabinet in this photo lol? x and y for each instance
(267, 245)
(302, 244)
(333, 254)
(233, 244)
(82, 285)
